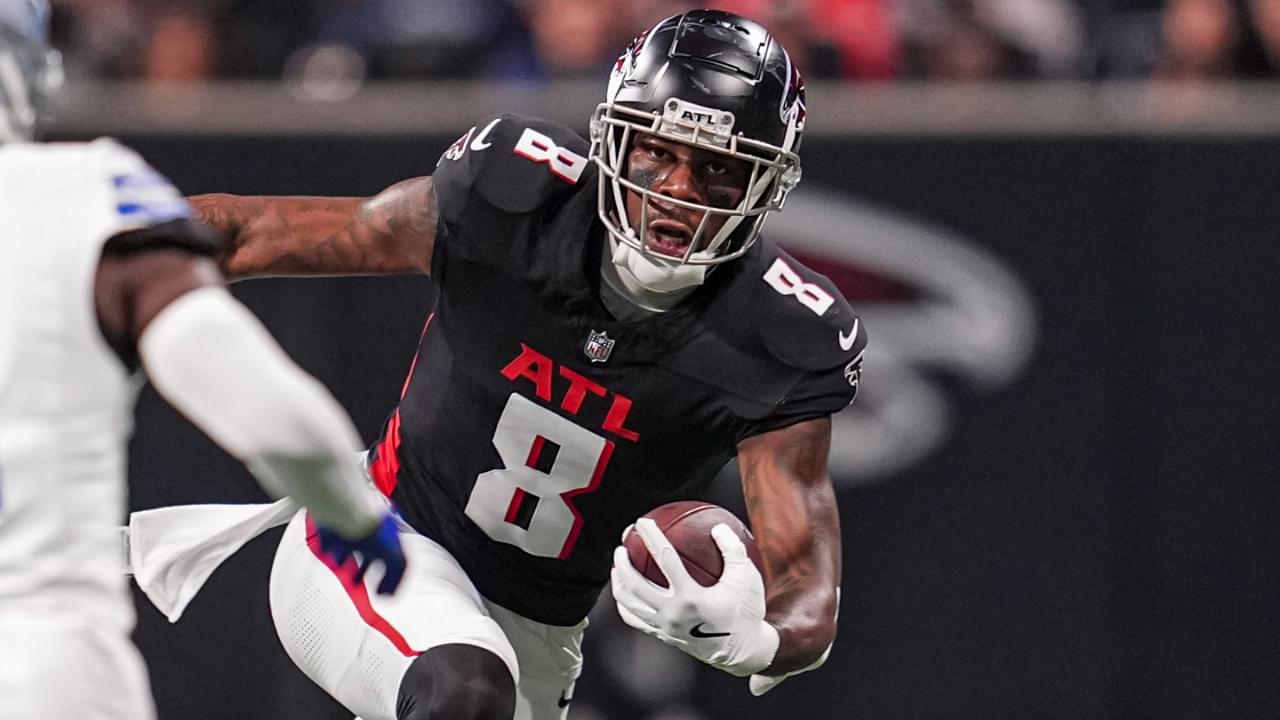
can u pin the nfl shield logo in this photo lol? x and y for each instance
(598, 346)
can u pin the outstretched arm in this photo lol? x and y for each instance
(213, 360)
(391, 232)
(793, 514)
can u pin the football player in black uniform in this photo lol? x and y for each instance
(610, 330)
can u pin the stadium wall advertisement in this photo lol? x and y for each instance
(1058, 486)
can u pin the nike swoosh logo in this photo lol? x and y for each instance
(479, 142)
(698, 632)
(564, 701)
(846, 341)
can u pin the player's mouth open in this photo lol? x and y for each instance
(668, 237)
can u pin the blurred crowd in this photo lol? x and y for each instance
(858, 40)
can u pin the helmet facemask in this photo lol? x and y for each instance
(29, 69)
(773, 173)
(716, 82)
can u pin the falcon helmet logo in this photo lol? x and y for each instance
(598, 346)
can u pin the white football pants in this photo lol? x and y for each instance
(357, 644)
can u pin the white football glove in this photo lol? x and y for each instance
(722, 625)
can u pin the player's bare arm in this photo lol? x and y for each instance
(792, 508)
(391, 232)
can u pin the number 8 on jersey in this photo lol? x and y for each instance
(548, 460)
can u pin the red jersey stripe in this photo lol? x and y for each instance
(385, 469)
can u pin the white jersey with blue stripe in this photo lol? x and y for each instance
(65, 398)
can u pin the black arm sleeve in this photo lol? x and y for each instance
(182, 234)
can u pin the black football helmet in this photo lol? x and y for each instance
(717, 81)
(29, 69)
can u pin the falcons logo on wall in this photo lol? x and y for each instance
(935, 304)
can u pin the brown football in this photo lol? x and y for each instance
(687, 524)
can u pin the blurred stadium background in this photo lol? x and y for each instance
(1058, 217)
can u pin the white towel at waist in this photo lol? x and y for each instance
(172, 551)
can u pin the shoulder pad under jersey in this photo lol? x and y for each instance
(141, 196)
(150, 213)
(512, 162)
(805, 321)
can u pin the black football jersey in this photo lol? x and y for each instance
(534, 427)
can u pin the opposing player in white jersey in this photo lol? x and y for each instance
(103, 273)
